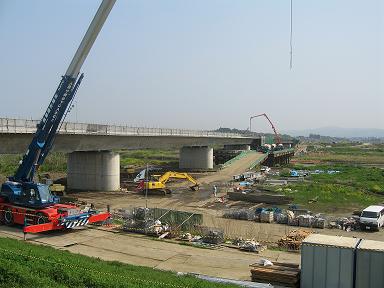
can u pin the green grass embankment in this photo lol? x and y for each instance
(26, 265)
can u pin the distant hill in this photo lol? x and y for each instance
(339, 132)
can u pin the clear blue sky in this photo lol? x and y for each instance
(200, 64)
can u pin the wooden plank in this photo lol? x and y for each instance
(279, 264)
(279, 268)
(275, 272)
(293, 265)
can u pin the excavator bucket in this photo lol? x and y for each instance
(194, 188)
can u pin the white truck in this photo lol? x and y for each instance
(372, 217)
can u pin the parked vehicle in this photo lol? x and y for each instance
(372, 217)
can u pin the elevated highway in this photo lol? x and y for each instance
(92, 165)
(16, 134)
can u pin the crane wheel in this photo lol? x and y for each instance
(8, 216)
(41, 218)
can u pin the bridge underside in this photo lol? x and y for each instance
(18, 143)
(282, 157)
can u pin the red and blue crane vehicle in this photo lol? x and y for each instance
(24, 201)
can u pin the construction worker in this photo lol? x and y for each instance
(215, 190)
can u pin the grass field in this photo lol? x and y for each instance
(148, 156)
(355, 187)
(55, 162)
(27, 265)
(344, 153)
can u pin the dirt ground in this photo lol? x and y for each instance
(212, 217)
(203, 202)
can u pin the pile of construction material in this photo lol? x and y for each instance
(141, 220)
(240, 214)
(249, 245)
(212, 235)
(292, 241)
(270, 215)
(156, 221)
(203, 235)
(266, 216)
(306, 220)
(246, 176)
(346, 223)
(276, 273)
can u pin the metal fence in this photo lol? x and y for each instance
(22, 126)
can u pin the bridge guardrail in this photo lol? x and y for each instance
(24, 126)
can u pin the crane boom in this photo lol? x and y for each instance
(90, 37)
(57, 109)
(277, 137)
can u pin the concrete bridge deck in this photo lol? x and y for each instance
(16, 134)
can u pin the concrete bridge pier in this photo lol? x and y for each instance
(196, 157)
(93, 171)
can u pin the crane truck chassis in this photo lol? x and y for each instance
(23, 201)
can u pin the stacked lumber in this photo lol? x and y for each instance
(282, 274)
(293, 240)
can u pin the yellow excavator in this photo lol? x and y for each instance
(159, 182)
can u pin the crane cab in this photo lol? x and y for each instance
(27, 194)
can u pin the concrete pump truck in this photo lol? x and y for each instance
(23, 201)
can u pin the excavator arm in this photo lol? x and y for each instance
(178, 175)
(161, 180)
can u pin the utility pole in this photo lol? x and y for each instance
(146, 188)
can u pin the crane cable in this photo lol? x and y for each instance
(290, 37)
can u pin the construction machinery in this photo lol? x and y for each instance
(277, 137)
(158, 182)
(24, 201)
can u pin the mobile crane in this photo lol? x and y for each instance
(159, 183)
(23, 201)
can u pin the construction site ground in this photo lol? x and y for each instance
(109, 244)
(140, 250)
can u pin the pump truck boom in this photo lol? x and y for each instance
(277, 137)
(23, 201)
